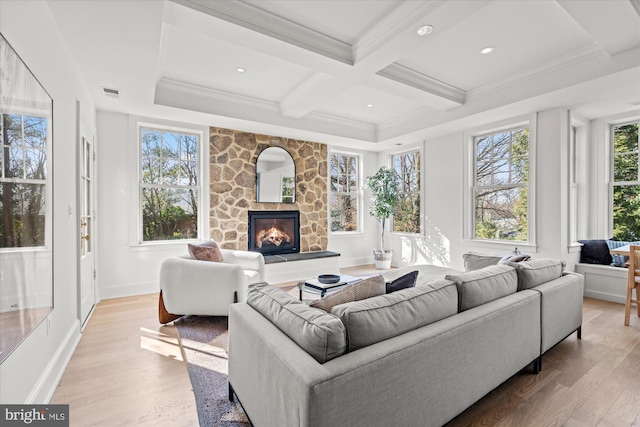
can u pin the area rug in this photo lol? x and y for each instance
(204, 341)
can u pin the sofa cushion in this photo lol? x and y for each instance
(537, 271)
(207, 251)
(402, 282)
(484, 285)
(475, 261)
(320, 334)
(376, 319)
(366, 288)
(619, 260)
(595, 252)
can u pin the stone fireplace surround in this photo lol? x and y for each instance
(232, 185)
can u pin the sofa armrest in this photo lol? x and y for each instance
(199, 287)
(247, 260)
(561, 308)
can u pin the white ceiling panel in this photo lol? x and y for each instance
(524, 35)
(353, 104)
(213, 63)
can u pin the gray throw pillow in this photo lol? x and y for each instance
(320, 334)
(485, 285)
(476, 261)
(366, 288)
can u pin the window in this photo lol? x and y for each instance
(169, 168)
(407, 216)
(500, 193)
(344, 203)
(23, 180)
(626, 181)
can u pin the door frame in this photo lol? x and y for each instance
(84, 127)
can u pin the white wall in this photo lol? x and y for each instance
(443, 242)
(31, 373)
(124, 268)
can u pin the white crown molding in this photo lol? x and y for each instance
(580, 55)
(402, 74)
(403, 17)
(180, 94)
(252, 17)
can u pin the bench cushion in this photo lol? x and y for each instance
(320, 334)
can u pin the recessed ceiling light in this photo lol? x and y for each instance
(424, 30)
(369, 105)
(486, 50)
(240, 70)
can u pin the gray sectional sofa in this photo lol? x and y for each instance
(419, 356)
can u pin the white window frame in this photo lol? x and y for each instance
(47, 182)
(359, 193)
(529, 121)
(578, 181)
(136, 124)
(612, 183)
(410, 149)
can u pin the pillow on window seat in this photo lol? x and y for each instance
(619, 260)
(595, 252)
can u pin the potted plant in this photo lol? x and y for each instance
(383, 205)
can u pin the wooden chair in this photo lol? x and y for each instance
(634, 282)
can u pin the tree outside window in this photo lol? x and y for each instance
(344, 192)
(23, 180)
(501, 185)
(169, 185)
(406, 219)
(626, 182)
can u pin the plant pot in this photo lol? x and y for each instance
(383, 259)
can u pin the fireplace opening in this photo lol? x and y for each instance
(274, 232)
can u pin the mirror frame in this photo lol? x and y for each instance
(26, 236)
(292, 185)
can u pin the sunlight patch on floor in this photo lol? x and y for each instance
(160, 343)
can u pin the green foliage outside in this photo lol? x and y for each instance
(502, 174)
(343, 200)
(169, 185)
(23, 174)
(626, 191)
(406, 218)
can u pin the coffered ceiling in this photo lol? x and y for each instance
(355, 71)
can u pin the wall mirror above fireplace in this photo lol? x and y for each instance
(275, 176)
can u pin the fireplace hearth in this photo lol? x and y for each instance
(274, 232)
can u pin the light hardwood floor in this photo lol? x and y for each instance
(128, 370)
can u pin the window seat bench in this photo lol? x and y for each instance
(605, 282)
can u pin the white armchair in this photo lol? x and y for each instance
(190, 286)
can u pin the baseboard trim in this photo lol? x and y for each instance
(604, 296)
(48, 382)
(111, 292)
